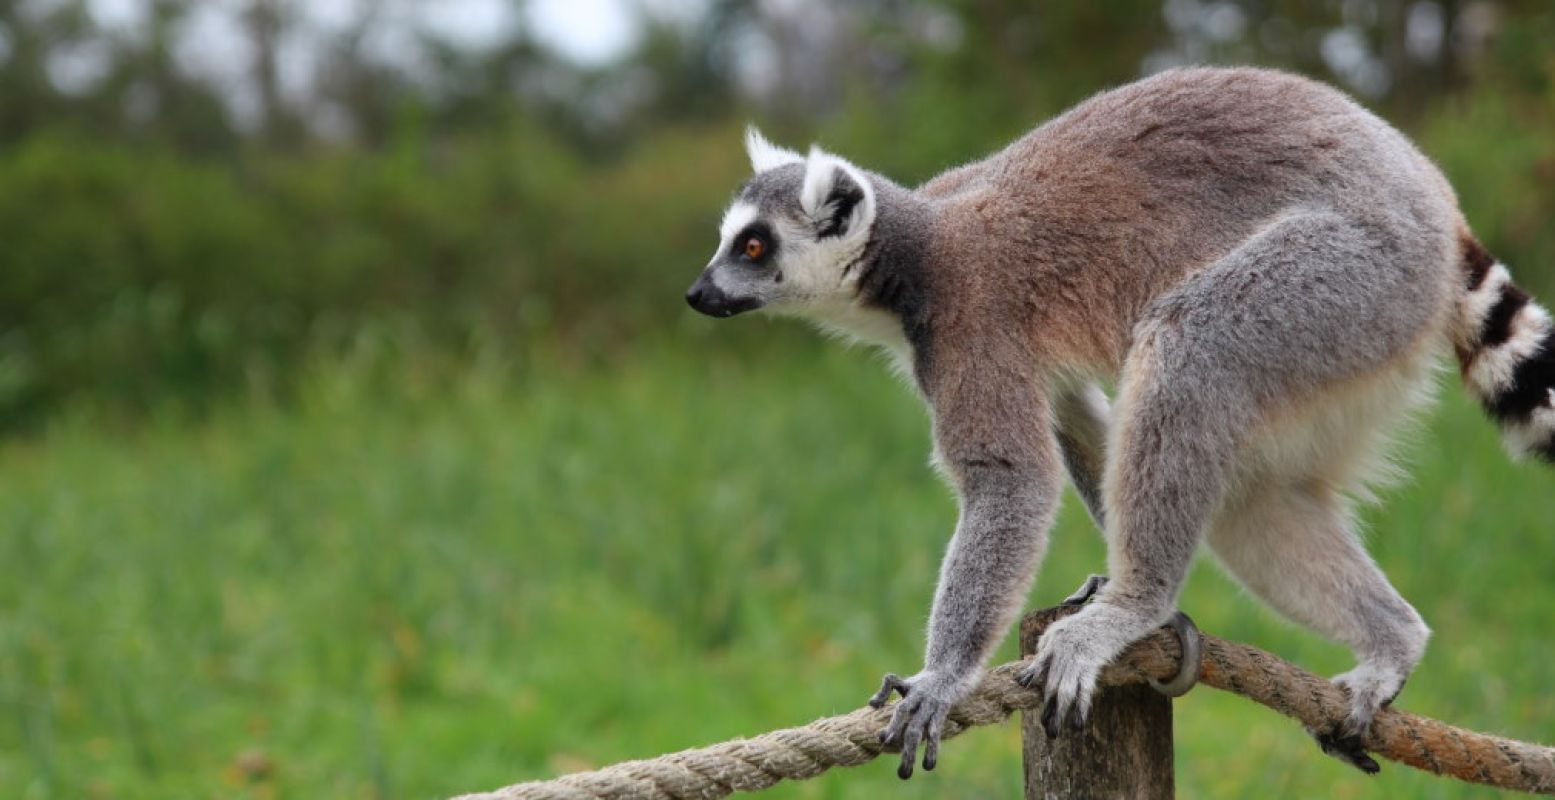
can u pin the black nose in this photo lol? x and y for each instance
(707, 298)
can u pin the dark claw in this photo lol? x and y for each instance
(1347, 748)
(1050, 718)
(1035, 679)
(905, 770)
(1077, 720)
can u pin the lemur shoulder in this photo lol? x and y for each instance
(1267, 274)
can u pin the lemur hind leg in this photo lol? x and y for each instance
(1295, 547)
(1081, 416)
(1310, 302)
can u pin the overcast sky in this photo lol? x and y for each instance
(590, 31)
(212, 43)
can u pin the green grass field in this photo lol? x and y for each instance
(416, 586)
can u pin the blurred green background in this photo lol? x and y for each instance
(355, 440)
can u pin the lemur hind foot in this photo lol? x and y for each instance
(1346, 748)
(1370, 690)
(1058, 707)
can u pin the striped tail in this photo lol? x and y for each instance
(1506, 346)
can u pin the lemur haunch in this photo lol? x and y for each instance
(1266, 271)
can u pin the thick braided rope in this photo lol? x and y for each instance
(744, 765)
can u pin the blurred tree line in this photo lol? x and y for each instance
(199, 195)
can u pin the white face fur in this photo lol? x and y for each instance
(792, 240)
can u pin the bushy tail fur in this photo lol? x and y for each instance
(1506, 346)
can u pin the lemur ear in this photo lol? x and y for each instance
(836, 195)
(765, 155)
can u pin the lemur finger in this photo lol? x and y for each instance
(910, 739)
(1035, 676)
(899, 721)
(931, 747)
(888, 735)
(887, 685)
(1076, 709)
(1050, 716)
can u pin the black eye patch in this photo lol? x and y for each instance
(760, 230)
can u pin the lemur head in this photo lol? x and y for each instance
(792, 239)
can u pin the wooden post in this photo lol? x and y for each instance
(1125, 750)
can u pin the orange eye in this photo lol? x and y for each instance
(754, 248)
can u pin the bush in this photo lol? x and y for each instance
(130, 275)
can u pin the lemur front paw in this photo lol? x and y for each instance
(920, 716)
(1070, 657)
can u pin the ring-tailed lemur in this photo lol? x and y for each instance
(1268, 273)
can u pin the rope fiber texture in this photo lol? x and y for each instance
(745, 765)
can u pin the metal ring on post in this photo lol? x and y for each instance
(1188, 669)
